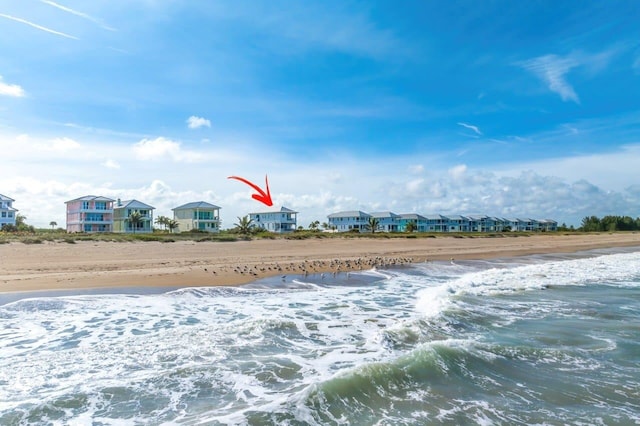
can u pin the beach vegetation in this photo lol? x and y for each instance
(134, 219)
(373, 225)
(244, 225)
(609, 224)
(172, 224)
(163, 221)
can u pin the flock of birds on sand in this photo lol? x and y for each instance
(306, 267)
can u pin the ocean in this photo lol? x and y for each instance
(545, 340)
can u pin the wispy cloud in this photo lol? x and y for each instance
(471, 127)
(195, 122)
(110, 164)
(552, 69)
(10, 89)
(80, 14)
(39, 27)
(161, 148)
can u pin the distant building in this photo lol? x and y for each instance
(278, 221)
(419, 222)
(90, 214)
(387, 221)
(122, 211)
(7, 212)
(198, 215)
(391, 222)
(349, 220)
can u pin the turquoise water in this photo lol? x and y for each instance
(532, 340)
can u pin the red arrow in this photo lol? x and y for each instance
(261, 195)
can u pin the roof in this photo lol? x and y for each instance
(435, 217)
(5, 198)
(132, 204)
(412, 216)
(457, 217)
(349, 213)
(282, 210)
(196, 205)
(380, 215)
(90, 198)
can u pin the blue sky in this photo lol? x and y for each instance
(495, 107)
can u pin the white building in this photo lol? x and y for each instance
(278, 221)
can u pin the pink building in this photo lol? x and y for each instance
(90, 214)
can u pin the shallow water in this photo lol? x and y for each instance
(532, 340)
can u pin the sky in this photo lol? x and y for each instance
(513, 109)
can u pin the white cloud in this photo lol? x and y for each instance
(471, 127)
(552, 69)
(458, 172)
(161, 148)
(10, 89)
(195, 122)
(61, 145)
(39, 27)
(416, 169)
(110, 164)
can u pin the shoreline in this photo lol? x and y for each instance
(86, 265)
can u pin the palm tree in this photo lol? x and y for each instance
(373, 224)
(135, 218)
(163, 221)
(172, 224)
(411, 226)
(244, 225)
(53, 224)
(314, 225)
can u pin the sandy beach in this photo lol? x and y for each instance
(92, 265)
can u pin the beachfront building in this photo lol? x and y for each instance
(436, 223)
(122, 222)
(419, 222)
(387, 221)
(391, 222)
(199, 215)
(353, 220)
(7, 211)
(548, 225)
(457, 223)
(90, 214)
(278, 221)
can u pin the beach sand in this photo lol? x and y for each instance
(94, 265)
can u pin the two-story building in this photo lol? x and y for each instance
(7, 211)
(349, 220)
(387, 221)
(278, 221)
(90, 214)
(122, 222)
(419, 222)
(199, 215)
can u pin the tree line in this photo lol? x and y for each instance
(609, 223)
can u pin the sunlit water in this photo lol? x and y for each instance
(533, 340)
